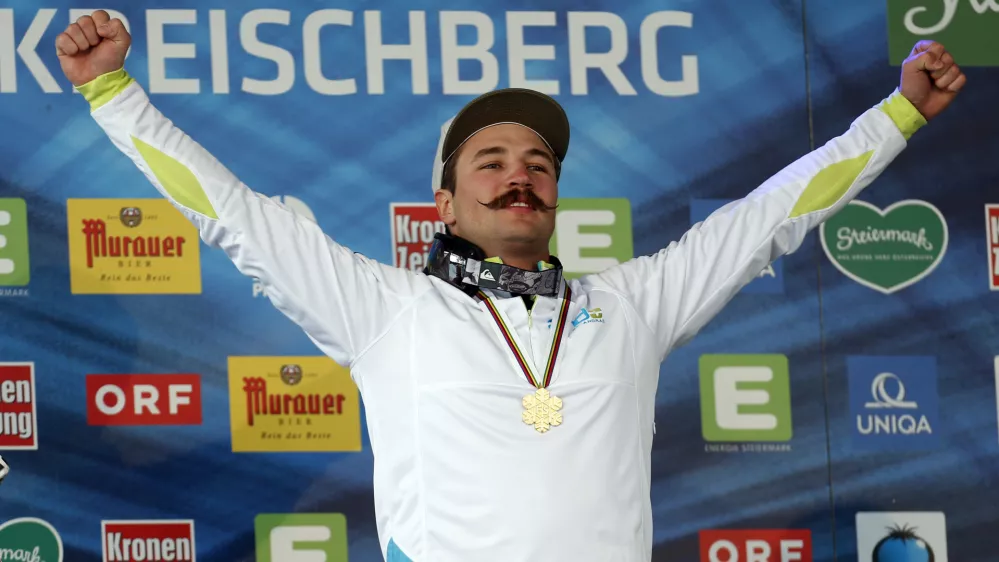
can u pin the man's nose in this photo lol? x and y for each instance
(519, 177)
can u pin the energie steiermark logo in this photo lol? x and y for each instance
(886, 250)
(14, 267)
(592, 235)
(745, 398)
(301, 537)
(966, 27)
(30, 540)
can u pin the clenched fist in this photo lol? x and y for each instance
(92, 46)
(930, 78)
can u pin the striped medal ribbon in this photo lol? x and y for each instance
(541, 409)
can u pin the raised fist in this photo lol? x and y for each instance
(930, 78)
(94, 45)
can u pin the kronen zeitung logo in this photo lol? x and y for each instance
(121, 246)
(886, 250)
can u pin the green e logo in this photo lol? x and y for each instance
(592, 235)
(301, 537)
(14, 267)
(745, 398)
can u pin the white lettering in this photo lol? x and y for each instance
(994, 224)
(283, 541)
(525, 56)
(518, 53)
(15, 392)
(402, 229)
(285, 78)
(121, 549)
(17, 423)
(729, 397)
(571, 241)
(159, 51)
(731, 552)
(26, 49)
(689, 83)
(415, 52)
(312, 52)
(949, 11)
(757, 551)
(101, 400)
(893, 425)
(8, 63)
(451, 53)
(786, 553)
(145, 396)
(180, 395)
(995, 255)
(220, 51)
(950, 8)
(609, 63)
(849, 236)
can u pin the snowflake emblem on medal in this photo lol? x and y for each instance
(541, 410)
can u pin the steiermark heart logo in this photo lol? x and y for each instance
(886, 250)
(29, 540)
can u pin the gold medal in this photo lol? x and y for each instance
(542, 410)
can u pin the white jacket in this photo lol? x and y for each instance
(459, 476)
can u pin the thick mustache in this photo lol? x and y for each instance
(519, 195)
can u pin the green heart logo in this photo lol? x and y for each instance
(29, 540)
(886, 250)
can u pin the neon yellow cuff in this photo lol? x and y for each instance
(105, 88)
(907, 118)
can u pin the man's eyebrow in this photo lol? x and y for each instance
(490, 150)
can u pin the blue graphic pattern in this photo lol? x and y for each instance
(776, 78)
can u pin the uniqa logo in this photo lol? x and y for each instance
(950, 9)
(891, 424)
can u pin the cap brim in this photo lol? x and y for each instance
(528, 108)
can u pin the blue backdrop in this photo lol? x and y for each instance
(774, 79)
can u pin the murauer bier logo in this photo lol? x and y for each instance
(285, 404)
(967, 27)
(131, 246)
(886, 250)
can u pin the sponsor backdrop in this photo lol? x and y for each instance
(155, 406)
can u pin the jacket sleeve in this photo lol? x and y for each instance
(342, 300)
(682, 287)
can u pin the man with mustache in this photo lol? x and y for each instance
(529, 437)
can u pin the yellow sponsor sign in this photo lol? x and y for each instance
(131, 246)
(292, 404)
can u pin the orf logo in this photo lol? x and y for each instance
(130, 216)
(757, 545)
(291, 374)
(144, 399)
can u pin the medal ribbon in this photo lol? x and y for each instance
(521, 360)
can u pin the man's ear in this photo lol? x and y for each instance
(444, 200)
